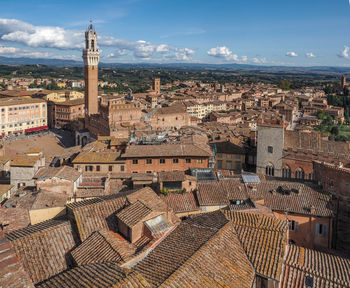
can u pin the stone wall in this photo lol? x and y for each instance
(272, 136)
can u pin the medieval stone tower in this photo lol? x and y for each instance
(91, 56)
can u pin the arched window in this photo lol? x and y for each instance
(270, 170)
(286, 172)
(299, 173)
(93, 44)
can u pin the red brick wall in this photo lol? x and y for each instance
(156, 166)
(333, 179)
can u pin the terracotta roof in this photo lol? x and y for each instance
(74, 102)
(134, 213)
(228, 147)
(165, 150)
(178, 109)
(212, 194)
(220, 193)
(25, 161)
(293, 197)
(12, 274)
(181, 202)
(263, 239)
(220, 262)
(103, 246)
(96, 275)
(14, 218)
(97, 157)
(171, 176)
(42, 248)
(44, 200)
(11, 101)
(170, 254)
(326, 270)
(63, 172)
(96, 214)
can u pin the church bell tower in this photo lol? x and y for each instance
(91, 56)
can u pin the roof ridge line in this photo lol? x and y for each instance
(195, 253)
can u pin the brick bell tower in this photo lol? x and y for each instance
(91, 56)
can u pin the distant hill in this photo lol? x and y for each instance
(325, 70)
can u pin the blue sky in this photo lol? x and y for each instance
(268, 32)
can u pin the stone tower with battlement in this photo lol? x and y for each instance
(156, 85)
(91, 56)
(343, 81)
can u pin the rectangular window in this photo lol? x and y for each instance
(188, 160)
(162, 161)
(228, 165)
(219, 164)
(148, 172)
(270, 149)
(175, 160)
(219, 155)
(293, 225)
(238, 157)
(148, 161)
(135, 161)
(228, 156)
(98, 168)
(122, 168)
(321, 229)
(200, 161)
(110, 168)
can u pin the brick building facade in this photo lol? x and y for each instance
(336, 180)
(166, 157)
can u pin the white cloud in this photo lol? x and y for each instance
(291, 54)
(39, 36)
(8, 50)
(17, 52)
(162, 48)
(259, 60)
(13, 30)
(310, 55)
(223, 52)
(344, 53)
(184, 54)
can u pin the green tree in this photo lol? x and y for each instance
(285, 85)
(335, 130)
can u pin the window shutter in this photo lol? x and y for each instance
(296, 226)
(317, 229)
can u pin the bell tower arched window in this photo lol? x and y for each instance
(286, 172)
(270, 170)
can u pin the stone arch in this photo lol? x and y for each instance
(270, 170)
(299, 173)
(286, 172)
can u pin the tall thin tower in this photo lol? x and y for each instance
(91, 56)
(343, 81)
